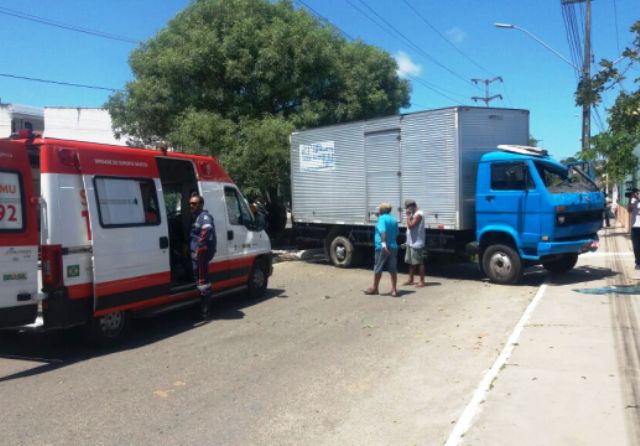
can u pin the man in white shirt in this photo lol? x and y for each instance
(415, 242)
(634, 210)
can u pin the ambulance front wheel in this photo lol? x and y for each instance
(258, 279)
(108, 329)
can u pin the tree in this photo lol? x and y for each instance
(616, 144)
(233, 78)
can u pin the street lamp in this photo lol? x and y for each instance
(586, 108)
(537, 39)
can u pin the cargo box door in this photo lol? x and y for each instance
(382, 152)
(18, 237)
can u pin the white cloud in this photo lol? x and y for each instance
(456, 35)
(406, 67)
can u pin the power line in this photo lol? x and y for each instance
(68, 27)
(615, 19)
(598, 119)
(443, 37)
(393, 30)
(432, 87)
(323, 18)
(436, 89)
(67, 84)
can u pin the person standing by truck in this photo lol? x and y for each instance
(386, 250)
(414, 256)
(202, 245)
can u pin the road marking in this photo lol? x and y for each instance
(607, 254)
(479, 395)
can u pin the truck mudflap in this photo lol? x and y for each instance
(567, 247)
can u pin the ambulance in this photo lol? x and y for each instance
(93, 234)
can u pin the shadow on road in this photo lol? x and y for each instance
(581, 274)
(60, 348)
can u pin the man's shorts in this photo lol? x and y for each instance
(383, 259)
(415, 256)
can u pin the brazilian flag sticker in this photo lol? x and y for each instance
(73, 271)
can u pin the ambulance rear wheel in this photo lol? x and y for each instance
(258, 279)
(109, 329)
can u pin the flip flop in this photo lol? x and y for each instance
(370, 292)
(394, 294)
(407, 283)
(420, 285)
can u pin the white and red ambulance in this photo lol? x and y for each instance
(110, 228)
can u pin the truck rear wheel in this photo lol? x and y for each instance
(108, 329)
(561, 264)
(502, 264)
(342, 252)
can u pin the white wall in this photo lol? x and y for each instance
(80, 124)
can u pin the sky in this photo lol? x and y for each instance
(439, 45)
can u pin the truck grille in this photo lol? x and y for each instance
(575, 218)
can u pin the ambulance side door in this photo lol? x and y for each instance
(129, 233)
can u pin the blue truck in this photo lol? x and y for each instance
(482, 189)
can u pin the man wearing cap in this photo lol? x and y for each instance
(386, 249)
(414, 256)
(634, 210)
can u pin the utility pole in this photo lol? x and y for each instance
(586, 70)
(486, 99)
(586, 75)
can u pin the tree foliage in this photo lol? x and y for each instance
(233, 78)
(615, 145)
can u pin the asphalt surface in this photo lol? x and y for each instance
(317, 362)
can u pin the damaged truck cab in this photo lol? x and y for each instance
(531, 209)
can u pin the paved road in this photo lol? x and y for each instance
(314, 362)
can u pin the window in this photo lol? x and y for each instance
(11, 202)
(559, 179)
(511, 176)
(126, 202)
(237, 208)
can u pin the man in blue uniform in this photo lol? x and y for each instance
(202, 245)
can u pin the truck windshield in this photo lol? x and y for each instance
(559, 180)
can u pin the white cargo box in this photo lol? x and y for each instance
(340, 173)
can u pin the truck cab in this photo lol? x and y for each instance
(531, 209)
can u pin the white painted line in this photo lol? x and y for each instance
(473, 408)
(607, 254)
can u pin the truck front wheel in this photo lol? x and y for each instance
(561, 264)
(502, 264)
(342, 252)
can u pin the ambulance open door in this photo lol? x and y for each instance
(129, 234)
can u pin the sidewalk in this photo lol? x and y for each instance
(573, 375)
